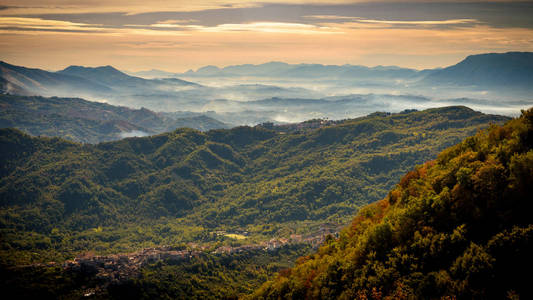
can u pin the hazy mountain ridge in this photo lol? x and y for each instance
(40, 82)
(483, 70)
(107, 75)
(90, 122)
(492, 83)
(79, 81)
(279, 69)
(492, 70)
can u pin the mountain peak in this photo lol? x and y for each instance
(102, 74)
(208, 68)
(510, 69)
(76, 68)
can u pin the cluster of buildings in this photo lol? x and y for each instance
(107, 269)
(116, 267)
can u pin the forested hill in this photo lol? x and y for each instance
(85, 121)
(458, 227)
(59, 198)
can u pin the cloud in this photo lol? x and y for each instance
(38, 23)
(18, 25)
(388, 23)
(270, 27)
(132, 7)
(329, 17)
(435, 22)
(406, 34)
(15, 24)
(265, 27)
(133, 133)
(177, 21)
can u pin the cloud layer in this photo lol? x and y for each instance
(139, 35)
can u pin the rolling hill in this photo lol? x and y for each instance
(90, 122)
(264, 181)
(192, 193)
(61, 199)
(457, 227)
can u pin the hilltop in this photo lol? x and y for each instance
(511, 70)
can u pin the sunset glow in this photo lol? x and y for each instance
(177, 37)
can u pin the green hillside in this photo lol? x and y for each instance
(85, 121)
(456, 227)
(60, 198)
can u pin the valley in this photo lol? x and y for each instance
(224, 194)
(290, 93)
(266, 181)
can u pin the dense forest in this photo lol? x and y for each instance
(61, 198)
(458, 227)
(200, 191)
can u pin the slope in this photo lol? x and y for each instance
(89, 122)
(107, 75)
(60, 198)
(39, 82)
(509, 70)
(455, 227)
(95, 83)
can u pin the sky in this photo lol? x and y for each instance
(179, 35)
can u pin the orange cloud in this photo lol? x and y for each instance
(138, 48)
(182, 43)
(16, 7)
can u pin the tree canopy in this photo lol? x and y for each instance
(458, 226)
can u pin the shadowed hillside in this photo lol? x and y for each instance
(90, 122)
(502, 70)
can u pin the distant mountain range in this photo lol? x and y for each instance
(484, 70)
(90, 122)
(283, 70)
(279, 69)
(21, 80)
(500, 83)
(512, 70)
(494, 70)
(77, 80)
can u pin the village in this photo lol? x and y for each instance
(115, 268)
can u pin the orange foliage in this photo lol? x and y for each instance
(408, 177)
